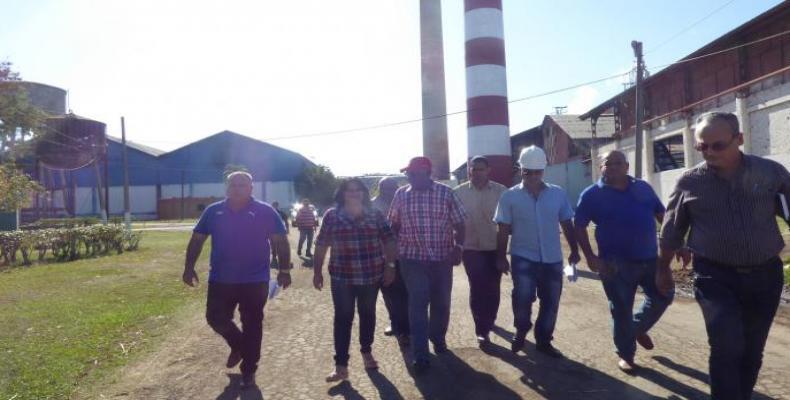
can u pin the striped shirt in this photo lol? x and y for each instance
(305, 218)
(357, 256)
(731, 221)
(426, 219)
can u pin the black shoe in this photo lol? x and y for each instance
(549, 350)
(247, 381)
(233, 359)
(440, 348)
(518, 341)
(309, 255)
(482, 338)
(389, 331)
(421, 367)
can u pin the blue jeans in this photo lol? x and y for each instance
(429, 284)
(620, 288)
(738, 305)
(344, 296)
(532, 278)
(396, 299)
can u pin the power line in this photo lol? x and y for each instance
(686, 60)
(686, 29)
(530, 97)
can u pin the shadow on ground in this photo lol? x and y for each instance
(234, 391)
(690, 372)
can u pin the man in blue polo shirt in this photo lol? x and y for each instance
(624, 211)
(241, 230)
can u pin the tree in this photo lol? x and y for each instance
(16, 189)
(18, 120)
(316, 183)
(18, 117)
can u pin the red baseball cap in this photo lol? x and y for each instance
(418, 163)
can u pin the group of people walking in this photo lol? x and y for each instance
(407, 240)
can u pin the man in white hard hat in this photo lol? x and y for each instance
(532, 213)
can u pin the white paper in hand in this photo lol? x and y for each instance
(570, 272)
(274, 288)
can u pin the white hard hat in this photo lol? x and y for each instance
(532, 157)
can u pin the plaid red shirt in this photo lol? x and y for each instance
(426, 219)
(305, 218)
(357, 255)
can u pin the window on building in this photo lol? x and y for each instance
(668, 153)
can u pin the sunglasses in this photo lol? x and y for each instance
(532, 172)
(716, 147)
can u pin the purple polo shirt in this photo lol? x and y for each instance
(240, 247)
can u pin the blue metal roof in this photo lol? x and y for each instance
(203, 161)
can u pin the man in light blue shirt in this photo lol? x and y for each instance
(532, 213)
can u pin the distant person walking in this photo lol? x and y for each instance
(362, 260)
(306, 221)
(396, 296)
(532, 212)
(276, 205)
(241, 230)
(728, 206)
(624, 210)
(479, 197)
(429, 221)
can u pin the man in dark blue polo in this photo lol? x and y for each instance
(241, 230)
(624, 211)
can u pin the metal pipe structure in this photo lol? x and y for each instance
(488, 131)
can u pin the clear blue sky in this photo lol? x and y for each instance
(180, 71)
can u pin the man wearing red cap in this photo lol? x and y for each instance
(429, 221)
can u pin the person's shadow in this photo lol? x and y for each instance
(234, 391)
(345, 390)
(450, 377)
(691, 372)
(385, 388)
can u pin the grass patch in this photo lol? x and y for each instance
(69, 324)
(787, 271)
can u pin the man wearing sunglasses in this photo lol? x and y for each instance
(727, 205)
(532, 213)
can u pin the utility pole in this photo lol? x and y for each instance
(640, 66)
(106, 181)
(127, 215)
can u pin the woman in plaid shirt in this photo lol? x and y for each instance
(363, 257)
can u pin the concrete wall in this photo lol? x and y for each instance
(205, 190)
(573, 176)
(767, 110)
(142, 200)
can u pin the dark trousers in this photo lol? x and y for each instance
(396, 298)
(531, 279)
(305, 234)
(484, 281)
(738, 305)
(430, 285)
(220, 305)
(344, 296)
(620, 289)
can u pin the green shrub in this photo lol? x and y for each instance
(66, 244)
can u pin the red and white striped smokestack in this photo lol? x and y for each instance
(488, 131)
